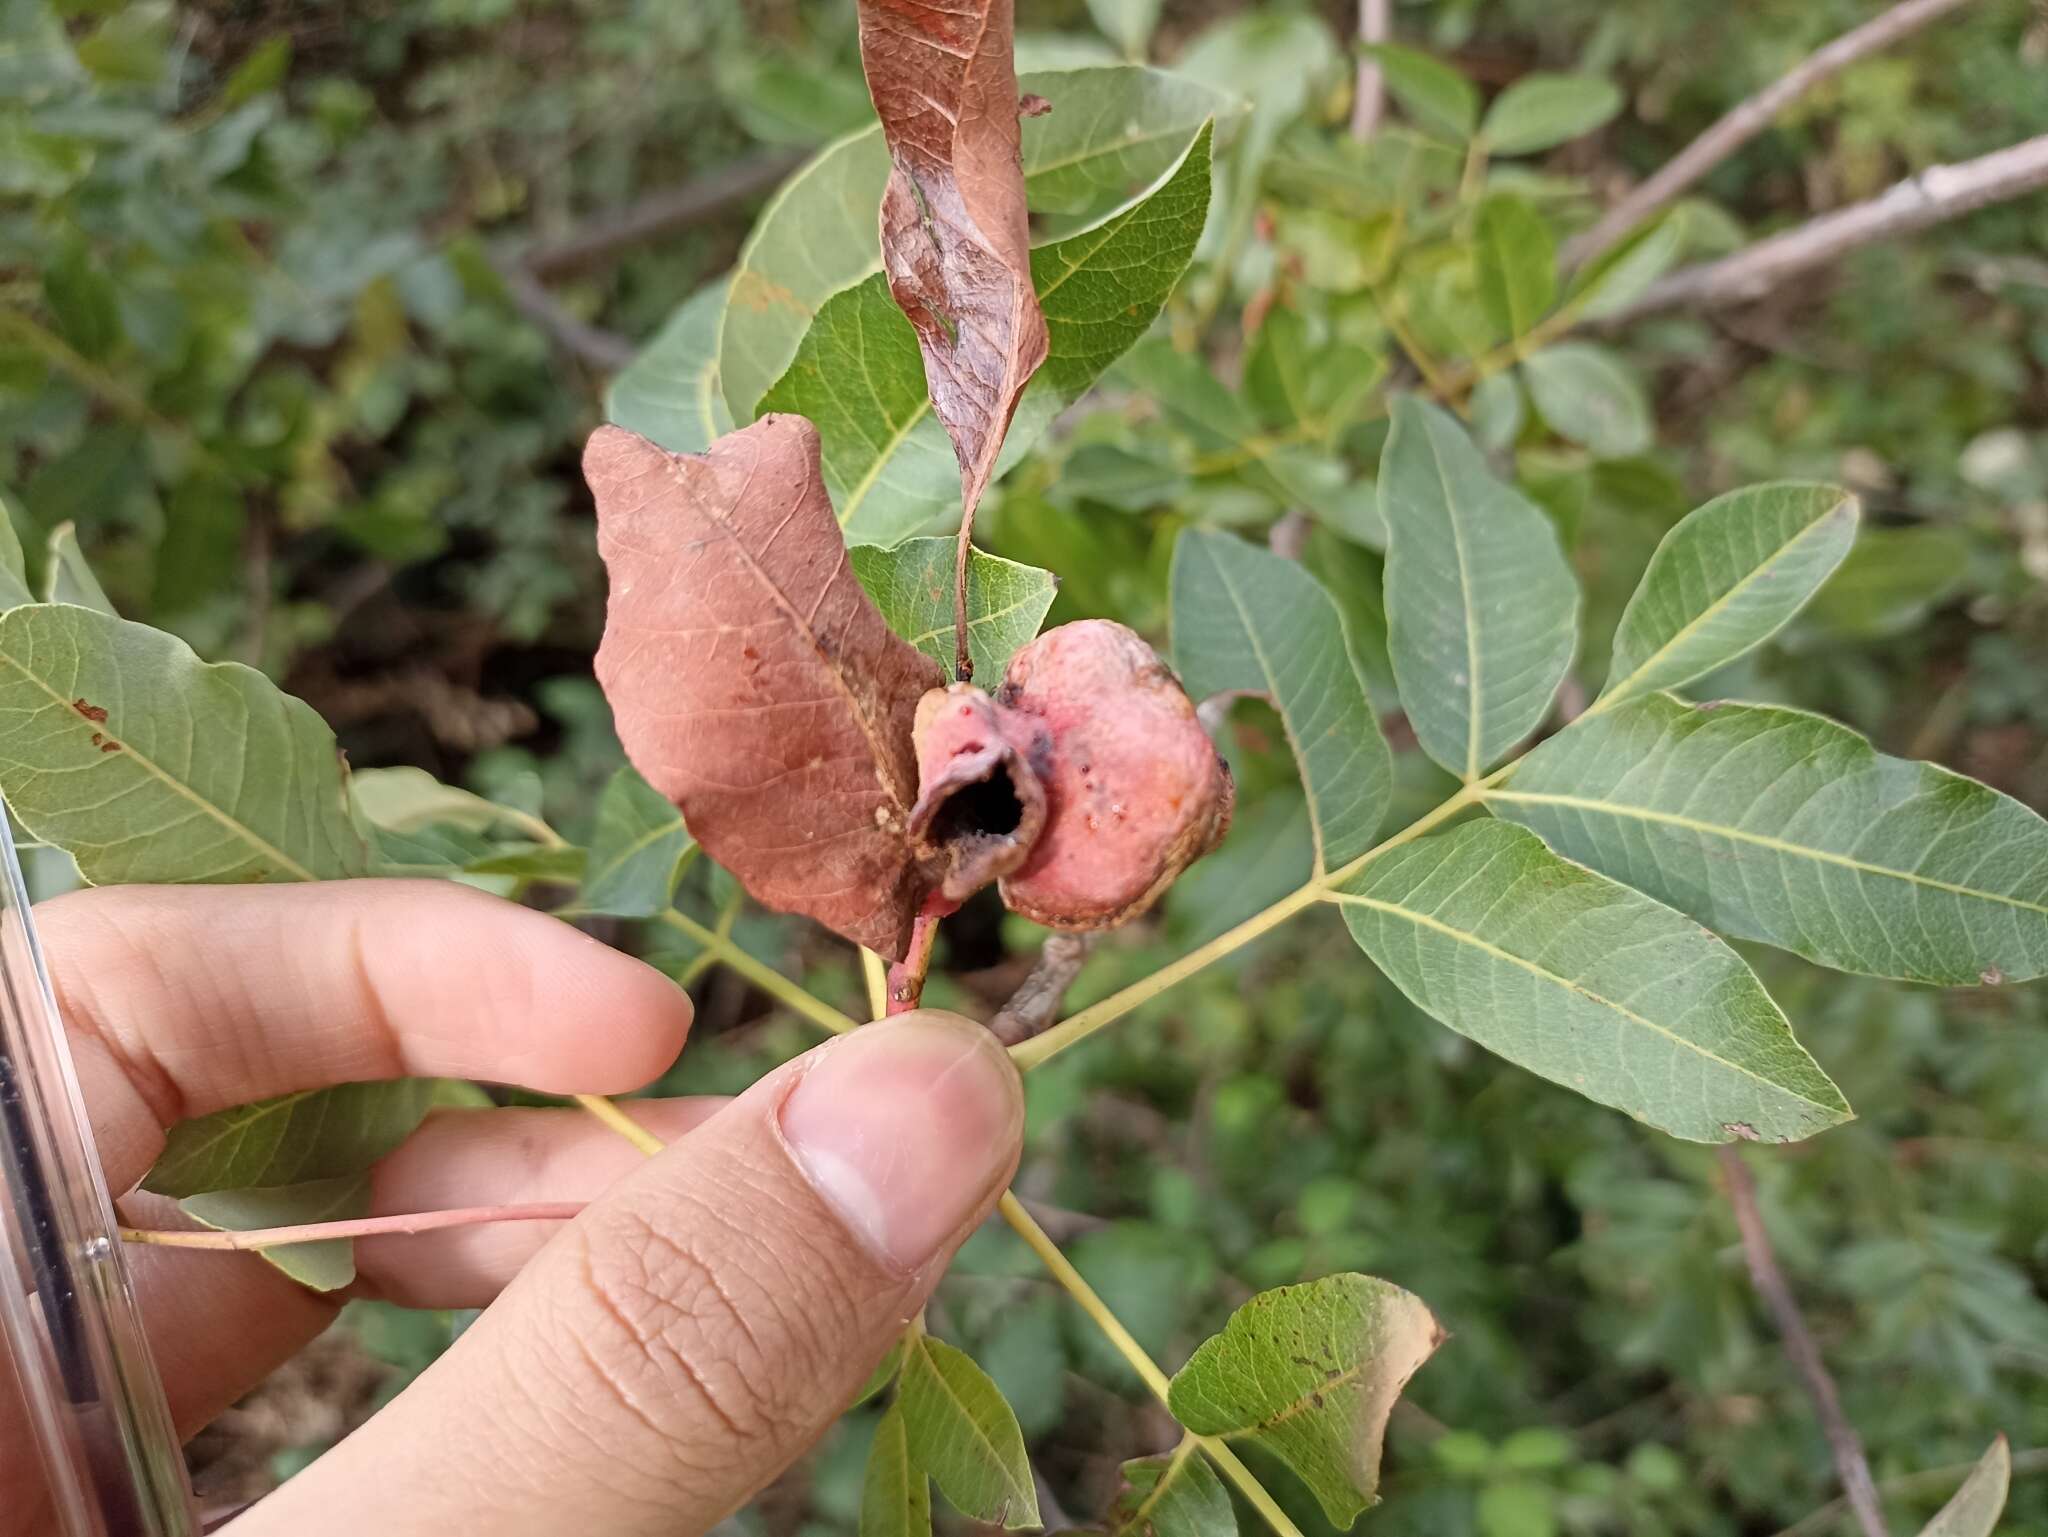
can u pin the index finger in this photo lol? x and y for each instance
(181, 1000)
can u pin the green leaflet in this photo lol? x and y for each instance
(1482, 609)
(1589, 395)
(1891, 580)
(912, 584)
(1311, 1373)
(1784, 827)
(1975, 1508)
(670, 391)
(325, 1266)
(896, 1495)
(638, 850)
(317, 1134)
(962, 1433)
(1175, 1494)
(102, 754)
(1434, 94)
(67, 578)
(1725, 579)
(1587, 983)
(1541, 111)
(14, 589)
(818, 235)
(1515, 264)
(1248, 621)
(858, 376)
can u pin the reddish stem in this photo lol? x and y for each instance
(404, 1224)
(906, 977)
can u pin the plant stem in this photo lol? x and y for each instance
(772, 982)
(1078, 1027)
(875, 972)
(1086, 1298)
(963, 549)
(1369, 95)
(608, 1112)
(1852, 1466)
(1933, 196)
(1744, 121)
(361, 1227)
(904, 988)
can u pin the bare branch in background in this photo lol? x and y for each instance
(1746, 120)
(1369, 99)
(605, 351)
(1936, 195)
(1850, 1463)
(661, 213)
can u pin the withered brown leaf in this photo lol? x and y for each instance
(955, 238)
(754, 683)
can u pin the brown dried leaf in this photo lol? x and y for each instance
(753, 681)
(955, 240)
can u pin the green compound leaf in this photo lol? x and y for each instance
(1173, 1495)
(325, 1266)
(1784, 827)
(638, 850)
(859, 377)
(1516, 262)
(896, 1495)
(962, 1432)
(1311, 1373)
(1976, 1507)
(121, 747)
(1541, 111)
(912, 585)
(1482, 608)
(670, 392)
(1112, 130)
(1246, 621)
(1725, 579)
(317, 1134)
(1587, 983)
(1589, 395)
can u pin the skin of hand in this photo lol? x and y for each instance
(645, 1368)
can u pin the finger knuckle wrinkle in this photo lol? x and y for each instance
(673, 1321)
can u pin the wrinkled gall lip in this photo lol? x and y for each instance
(981, 803)
(1085, 785)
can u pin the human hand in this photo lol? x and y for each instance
(651, 1364)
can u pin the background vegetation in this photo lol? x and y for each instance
(268, 341)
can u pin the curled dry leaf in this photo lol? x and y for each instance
(754, 683)
(955, 239)
(1135, 791)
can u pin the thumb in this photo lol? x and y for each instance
(689, 1335)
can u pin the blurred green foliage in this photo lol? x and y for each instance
(256, 344)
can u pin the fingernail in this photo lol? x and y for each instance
(905, 1127)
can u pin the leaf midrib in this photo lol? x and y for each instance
(162, 775)
(973, 1421)
(1544, 973)
(1762, 840)
(1474, 706)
